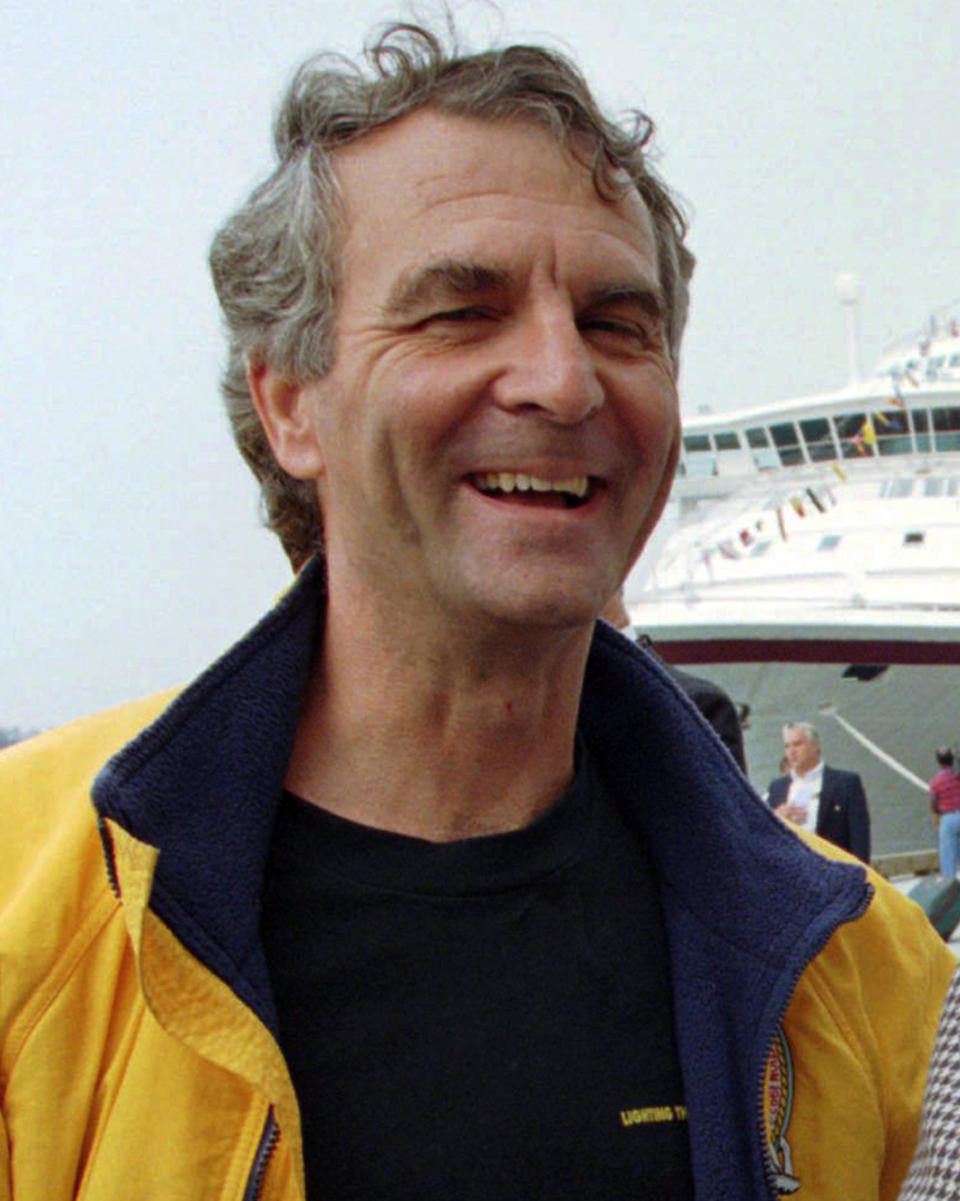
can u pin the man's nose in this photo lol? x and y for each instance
(550, 369)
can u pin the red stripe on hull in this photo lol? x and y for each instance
(814, 650)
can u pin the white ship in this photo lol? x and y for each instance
(811, 566)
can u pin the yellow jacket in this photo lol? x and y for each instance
(136, 1055)
(128, 1069)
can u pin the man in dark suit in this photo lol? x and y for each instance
(825, 799)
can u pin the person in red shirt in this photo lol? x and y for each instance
(945, 803)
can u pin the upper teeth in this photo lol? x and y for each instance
(510, 481)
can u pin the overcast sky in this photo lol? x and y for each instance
(807, 137)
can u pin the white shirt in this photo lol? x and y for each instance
(805, 790)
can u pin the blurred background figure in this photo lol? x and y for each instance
(826, 800)
(945, 803)
(715, 705)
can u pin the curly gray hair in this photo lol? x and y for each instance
(274, 262)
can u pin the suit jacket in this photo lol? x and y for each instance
(843, 817)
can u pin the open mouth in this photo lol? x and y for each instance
(520, 488)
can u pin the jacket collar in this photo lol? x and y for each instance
(720, 852)
(747, 904)
(201, 782)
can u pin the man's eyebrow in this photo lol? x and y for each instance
(645, 295)
(442, 281)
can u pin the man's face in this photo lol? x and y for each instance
(803, 753)
(499, 429)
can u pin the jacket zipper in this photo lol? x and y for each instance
(108, 855)
(769, 1170)
(271, 1131)
(268, 1140)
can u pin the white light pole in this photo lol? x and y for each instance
(847, 287)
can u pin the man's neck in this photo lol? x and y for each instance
(438, 742)
(802, 775)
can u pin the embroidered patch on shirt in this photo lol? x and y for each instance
(777, 1107)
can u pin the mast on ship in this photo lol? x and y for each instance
(847, 287)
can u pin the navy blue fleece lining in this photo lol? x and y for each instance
(201, 783)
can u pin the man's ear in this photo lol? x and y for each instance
(287, 415)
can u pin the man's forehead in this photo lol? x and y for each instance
(427, 153)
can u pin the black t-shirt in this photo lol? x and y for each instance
(483, 1020)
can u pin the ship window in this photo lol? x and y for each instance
(829, 542)
(913, 538)
(954, 360)
(763, 453)
(816, 431)
(952, 483)
(695, 442)
(785, 434)
(848, 423)
(894, 446)
(933, 487)
(761, 548)
(854, 435)
(946, 425)
(901, 488)
(787, 442)
(921, 424)
(728, 440)
(892, 429)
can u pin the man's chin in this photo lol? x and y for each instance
(544, 609)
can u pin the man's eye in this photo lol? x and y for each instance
(459, 315)
(627, 331)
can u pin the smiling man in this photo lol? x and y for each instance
(434, 886)
(491, 446)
